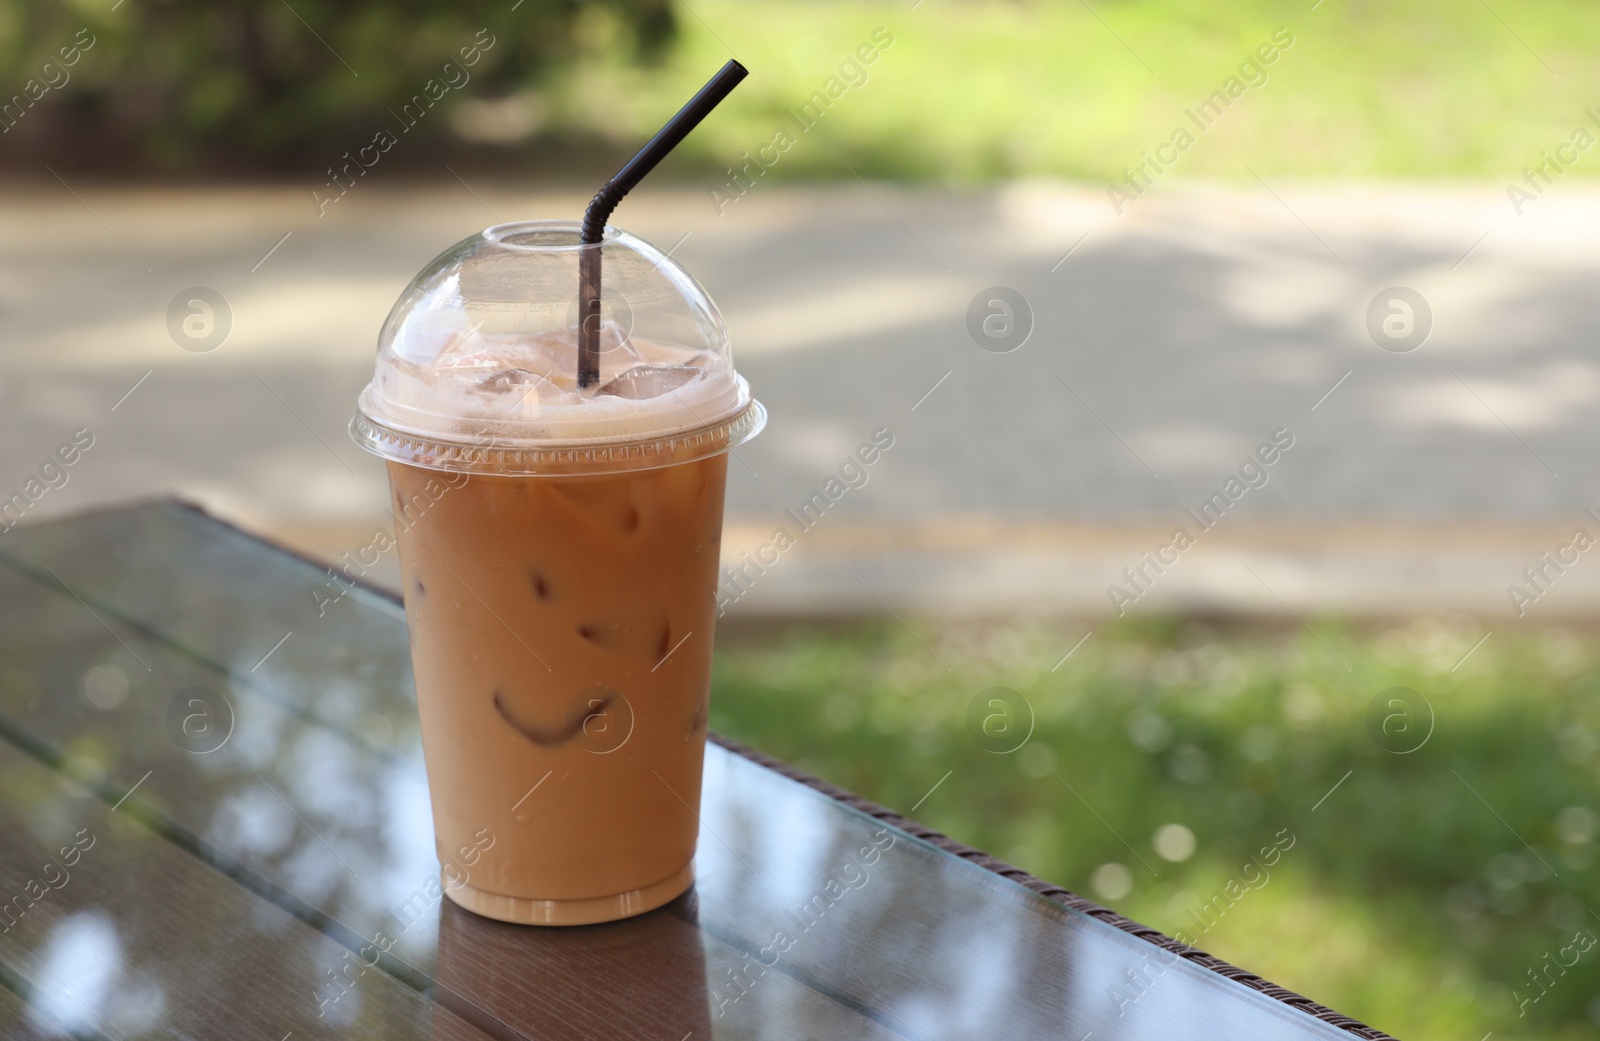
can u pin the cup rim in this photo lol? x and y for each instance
(505, 457)
(512, 235)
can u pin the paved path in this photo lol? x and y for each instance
(1166, 347)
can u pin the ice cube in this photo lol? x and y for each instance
(424, 336)
(650, 381)
(494, 353)
(519, 389)
(543, 354)
(511, 379)
(617, 353)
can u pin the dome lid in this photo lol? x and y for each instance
(477, 363)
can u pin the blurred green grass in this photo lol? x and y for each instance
(1407, 900)
(972, 91)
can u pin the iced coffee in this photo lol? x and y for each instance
(560, 587)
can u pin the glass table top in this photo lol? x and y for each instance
(261, 864)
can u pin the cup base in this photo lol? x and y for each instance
(523, 911)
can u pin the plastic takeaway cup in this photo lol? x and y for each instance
(559, 553)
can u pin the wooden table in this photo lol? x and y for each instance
(216, 825)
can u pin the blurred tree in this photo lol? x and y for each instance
(268, 83)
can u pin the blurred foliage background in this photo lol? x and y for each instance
(257, 85)
(1408, 898)
(969, 90)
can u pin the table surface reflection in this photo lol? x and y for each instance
(285, 883)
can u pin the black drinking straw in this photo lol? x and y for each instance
(606, 199)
